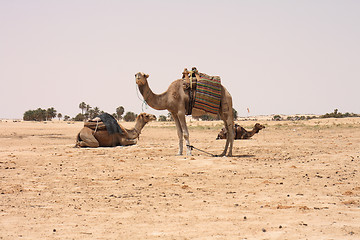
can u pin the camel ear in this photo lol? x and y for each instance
(146, 75)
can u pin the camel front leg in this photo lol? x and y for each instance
(127, 142)
(185, 132)
(179, 132)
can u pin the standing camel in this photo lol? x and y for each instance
(88, 137)
(175, 99)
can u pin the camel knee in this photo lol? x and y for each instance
(186, 136)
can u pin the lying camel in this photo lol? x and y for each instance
(240, 132)
(100, 137)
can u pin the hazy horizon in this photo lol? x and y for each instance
(274, 57)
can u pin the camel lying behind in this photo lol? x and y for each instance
(100, 137)
(240, 132)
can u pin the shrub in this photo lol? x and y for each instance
(162, 118)
(80, 117)
(277, 118)
(130, 117)
(40, 114)
(337, 114)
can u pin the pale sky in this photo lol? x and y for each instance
(274, 57)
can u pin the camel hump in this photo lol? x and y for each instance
(111, 124)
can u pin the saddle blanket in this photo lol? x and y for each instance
(111, 124)
(107, 122)
(208, 94)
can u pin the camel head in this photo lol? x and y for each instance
(146, 117)
(222, 134)
(141, 78)
(258, 127)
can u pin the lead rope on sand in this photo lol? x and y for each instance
(192, 148)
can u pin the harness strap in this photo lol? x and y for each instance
(138, 133)
(97, 124)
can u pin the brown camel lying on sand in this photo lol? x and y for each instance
(100, 137)
(240, 132)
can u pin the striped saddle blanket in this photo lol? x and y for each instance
(208, 94)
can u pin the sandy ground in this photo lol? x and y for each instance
(293, 180)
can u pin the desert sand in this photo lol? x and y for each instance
(293, 180)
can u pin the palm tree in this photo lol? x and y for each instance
(50, 113)
(82, 106)
(90, 114)
(96, 111)
(59, 116)
(119, 111)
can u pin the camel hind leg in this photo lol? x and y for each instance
(185, 132)
(86, 138)
(226, 114)
(229, 138)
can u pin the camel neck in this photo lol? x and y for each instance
(139, 125)
(136, 130)
(252, 132)
(156, 101)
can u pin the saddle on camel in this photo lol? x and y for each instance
(104, 122)
(204, 92)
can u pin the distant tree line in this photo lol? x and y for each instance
(337, 114)
(87, 112)
(334, 114)
(40, 114)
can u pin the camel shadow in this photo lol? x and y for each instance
(243, 156)
(236, 156)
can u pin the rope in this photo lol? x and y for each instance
(138, 133)
(192, 148)
(142, 100)
(97, 124)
